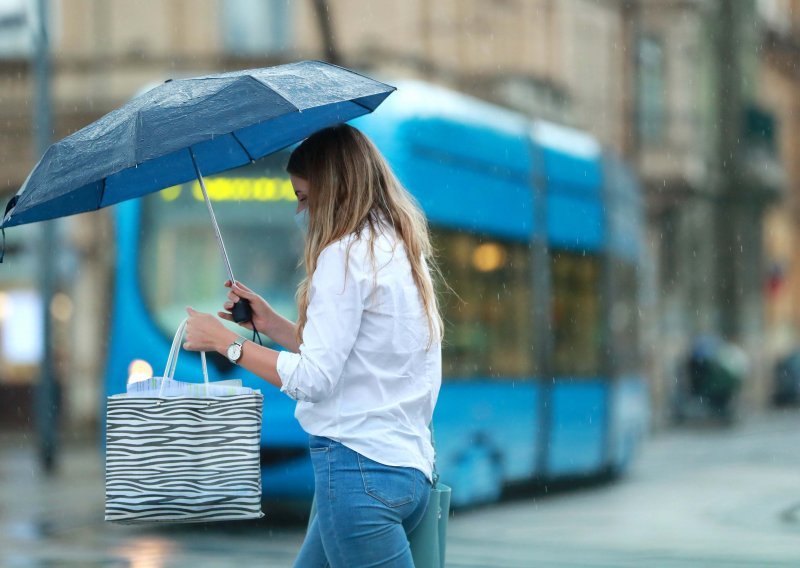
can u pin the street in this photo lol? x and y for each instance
(701, 495)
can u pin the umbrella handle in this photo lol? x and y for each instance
(242, 312)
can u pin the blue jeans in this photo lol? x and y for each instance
(364, 510)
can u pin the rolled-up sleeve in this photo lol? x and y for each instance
(336, 304)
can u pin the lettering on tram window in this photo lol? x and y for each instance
(488, 326)
(263, 189)
(171, 193)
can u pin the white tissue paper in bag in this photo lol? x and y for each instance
(151, 388)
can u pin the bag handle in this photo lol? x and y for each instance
(172, 359)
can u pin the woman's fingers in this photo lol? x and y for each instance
(242, 291)
(238, 291)
(236, 294)
(229, 284)
(243, 287)
(229, 317)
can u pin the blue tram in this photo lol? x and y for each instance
(539, 233)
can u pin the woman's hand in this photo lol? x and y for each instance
(204, 332)
(263, 314)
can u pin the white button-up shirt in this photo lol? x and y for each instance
(363, 375)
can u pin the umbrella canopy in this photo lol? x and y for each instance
(171, 133)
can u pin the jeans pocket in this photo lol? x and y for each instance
(391, 485)
(319, 444)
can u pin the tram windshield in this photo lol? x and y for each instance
(180, 264)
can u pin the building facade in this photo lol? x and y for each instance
(779, 89)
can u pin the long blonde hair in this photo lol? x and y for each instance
(350, 185)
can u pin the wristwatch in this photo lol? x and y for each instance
(235, 351)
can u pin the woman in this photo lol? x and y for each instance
(363, 360)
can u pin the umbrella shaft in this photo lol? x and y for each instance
(217, 233)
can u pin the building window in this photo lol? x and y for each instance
(15, 29)
(488, 331)
(19, 26)
(650, 87)
(253, 28)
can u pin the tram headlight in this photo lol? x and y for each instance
(139, 370)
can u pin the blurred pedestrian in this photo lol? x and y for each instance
(364, 358)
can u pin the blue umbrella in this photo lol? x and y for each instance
(185, 128)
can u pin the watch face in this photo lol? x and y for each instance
(234, 352)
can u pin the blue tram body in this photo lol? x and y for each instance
(539, 232)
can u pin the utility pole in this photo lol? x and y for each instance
(46, 400)
(731, 217)
(326, 30)
(729, 210)
(630, 11)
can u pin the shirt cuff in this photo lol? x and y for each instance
(286, 365)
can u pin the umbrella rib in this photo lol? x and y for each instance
(274, 90)
(102, 194)
(329, 64)
(243, 147)
(362, 106)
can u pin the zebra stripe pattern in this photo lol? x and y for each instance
(183, 459)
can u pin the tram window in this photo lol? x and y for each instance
(490, 332)
(576, 314)
(624, 318)
(180, 263)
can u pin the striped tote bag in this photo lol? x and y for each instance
(183, 459)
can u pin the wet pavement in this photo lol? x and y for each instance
(702, 495)
(58, 521)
